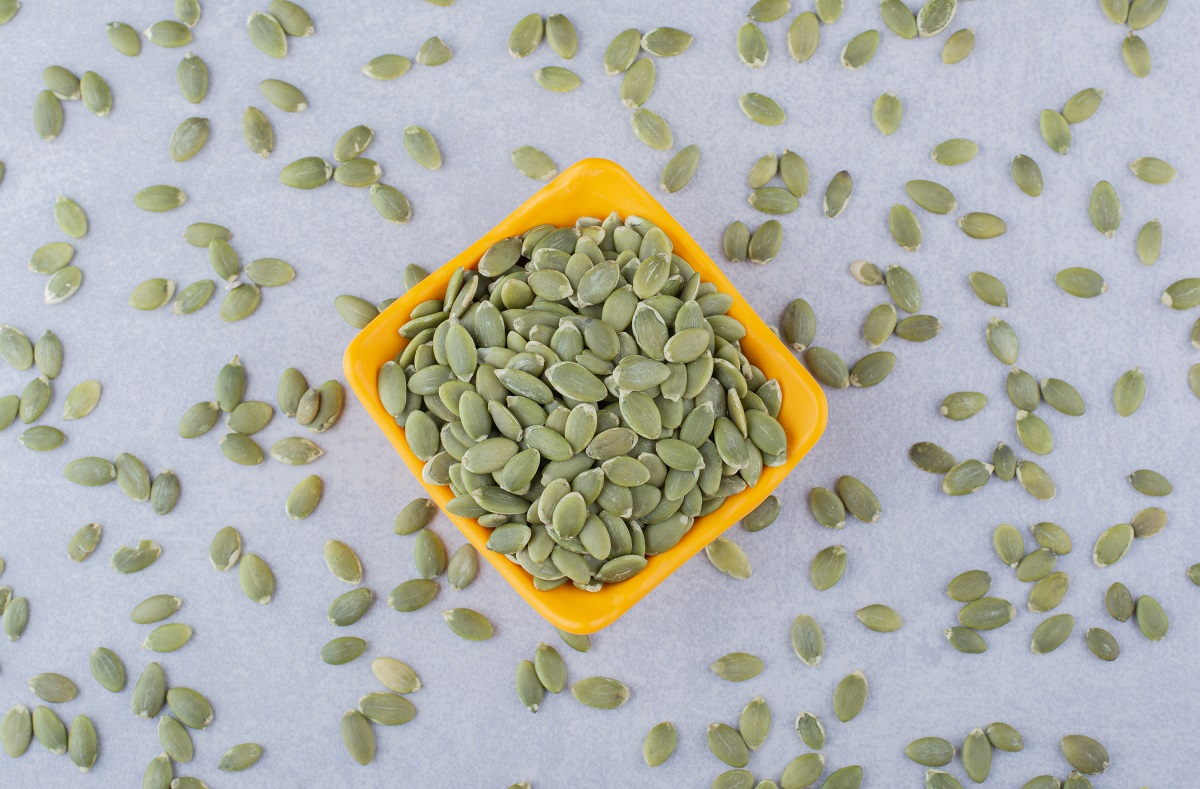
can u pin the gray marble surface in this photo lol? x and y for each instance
(260, 665)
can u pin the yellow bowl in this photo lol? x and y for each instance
(596, 187)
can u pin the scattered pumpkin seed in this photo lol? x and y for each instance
(966, 477)
(1136, 55)
(879, 618)
(83, 543)
(618, 56)
(1129, 391)
(474, 626)
(980, 225)
(859, 50)
(1084, 754)
(966, 640)
(803, 36)
(158, 199)
(963, 405)
(433, 52)
(726, 743)
(807, 640)
(283, 95)
(1105, 209)
(556, 79)
(659, 744)
(665, 42)
(958, 46)
(728, 557)
(168, 637)
(131, 560)
(850, 696)
(124, 38)
(837, 194)
(1035, 480)
(169, 33)
(679, 171)
(256, 579)
(1102, 644)
(827, 568)
(759, 108)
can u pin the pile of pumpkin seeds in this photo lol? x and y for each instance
(537, 326)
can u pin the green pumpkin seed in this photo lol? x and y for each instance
(665, 42)
(763, 171)
(1152, 170)
(755, 723)
(358, 737)
(257, 131)
(989, 289)
(1027, 175)
(968, 586)
(659, 744)
(679, 171)
(966, 640)
(859, 51)
(899, 19)
(837, 194)
(1035, 480)
(958, 46)
(1143, 13)
(386, 67)
(981, 225)
(1055, 131)
(304, 498)
(81, 744)
(827, 568)
(977, 756)
(1105, 209)
(955, 152)
(241, 449)
(1082, 105)
(164, 492)
(963, 405)
(387, 709)
(49, 730)
(807, 640)
(433, 52)
(474, 626)
(82, 543)
(933, 197)
(930, 751)
(390, 203)
(1034, 433)
(198, 420)
(47, 115)
(54, 688)
(966, 477)
(850, 696)
(158, 199)
(1052, 536)
(773, 200)
(1150, 483)
(256, 579)
(1052, 633)
(887, 112)
(1048, 592)
(429, 554)
(175, 740)
(395, 676)
(70, 217)
(343, 562)
(358, 173)
(149, 692)
(16, 617)
(422, 147)
(413, 595)
(1183, 294)
(761, 109)
(1151, 619)
(192, 76)
(726, 743)
(132, 477)
(1009, 545)
(107, 669)
(1136, 55)
(307, 173)
(1116, 10)
(1129, 391)
(930, 457)
(52, 257)
(618, 56)
(880, 323)
(737, 667)
(123, 38)
(167, 638)
(152, 294)
(986, 613)
(1148, 522)
(155, 609)
(283, 95)
(90, 472)
(267, 34)
(534, 164)
(799, 324)
(348, 608)
(168, 33)
(827, 367)
(243, 756)
(1149, 242)
(1084, 754)
(765, 242)
(905, 229)
(556, 79)
(1112, 545)
(1002, 341)
(728, 557)
(42, 438)
(551, 670)
(879, 618)
(131, 560)
(1102, 644)
(752, 45)
(803, 36)
(1004, 462)
(525, 36)
(295, 451)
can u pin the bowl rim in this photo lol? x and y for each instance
(582, 186)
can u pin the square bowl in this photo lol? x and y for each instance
(597, 187)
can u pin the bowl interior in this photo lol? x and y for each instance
(596, 187)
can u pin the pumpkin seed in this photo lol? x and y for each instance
(933, 197)
(295, 21)
(107, 669)
(837, 194)
(131, 560)
(1027, 175)
(1129, 391)
(807, 640)
(1150, 483)
(1151, 620)
(267, 34)
(123, 38)
(167, 638)
(773, 200)
(1052, 633)
(679, 171)
(977, 756)
(859, 50)
(930, 751)
(155, 609)
(1002, 341)
(433, 52)
(981, 225)
(850, 696)
(799, 324)
(986, 613)
(534, 164)
(149, 692)
(556, 79)
(1148, 522)
(665, 42)
(422, 147)
(966, 477)
(47, 115)
(1034, 433)
(81, 743)
(1052, 536)
(726, 743)
(1116, 10)
(930, 457)
(82, 543)
(1004, 461)
(618, 56)
(42, 438)
(258, 132)
(16, 617)
(241, 449)
(256, 579)
(1153, 170)
(760, 109)
(879, 618)
(803, 36)
(966, 587)
(1105, 209)
(90, 472)
(810, 730)
(963, 405)
(192, 76)
(283, 95)
(899, 19)
(955, 152)
(827, 568)
(754, 724)
(1102, 644)
(304, 498)
(168, 33)
(413, 595)
(307, 173)
(659, 744)
(1084, 754)
(387, 67)
(1142, 14)
(387, 709)
(737, 667)
(827, 508)
(880, 323)
(1112, 545)
(358, 173)
(1136, 55)
(1082, 105)
(1149, 242)
(1062, 397)
(358, 737)
(1035, 480)
(54, 688)
(958, 46)
(966, 640)
(1048, 592)
(473, 626)
(525, 36)
(765, 242)
(52, 257)
(728, 557)
(794, 172)
(49, 730)
(158, 199)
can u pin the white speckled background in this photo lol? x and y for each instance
(260, 665)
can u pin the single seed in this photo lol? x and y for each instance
(887, 112)
(977, 756)
(930, 751)
(358, 737)
(525, 36)
(665, 42)
(1102, 644)
(618, 56)
(168, 637)
(534, 164)
(169, 33)
(295, 21)
(765, 242)
(659, 744)
(1136, 55)
(807, 640)
(433, 52)
(1055, 131)
(1112, 545)
(931, 196)
(827, 568)
(761, 109)
(727, 744)
(1052, 536)
(387, 67)
(1052, 633)
(358, 173)
(859, 50)
(966, 587)
(49, 730)
(1129, 391)
(54, 688)
(754, 724)
(1083, 105)
(679, 171)
(1105, 209)
(258, 133)
(1149, 242)
(1153, 170)
(955, 152)
(131, 560)
(850, 696)
(963, 405)
(986, 613)
(837, 194)
(966, 640)
(799, 324)
(124, 38)
(267, 34)
(307, 173)
(256, 579)
(752, 45)
(728, 557)
(556, 79)
(422, 147)
(966, 477)
(47, 115)
(737, 667)
(283, 95)
(1035, 480)
(473, 626)
(1084, 754)
(1002, 341)
(158, 199)
(149, 692)
(1151, 619)
(1150, 483)
(958, 46)
(803, 36)
(879, 618)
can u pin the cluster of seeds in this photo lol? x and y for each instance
(552, 394)
(62, 85)
(1085, 755)
(54, 259)
(47, 355)
(560, 35)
